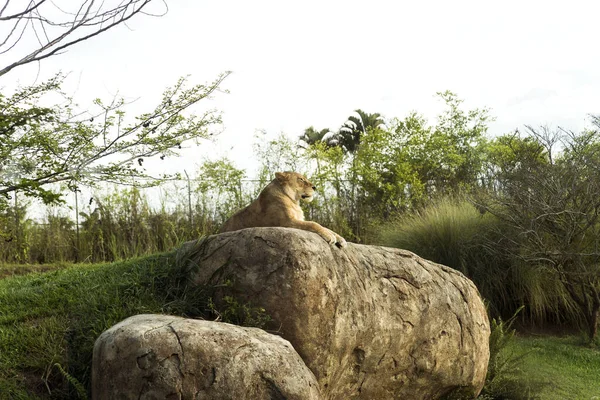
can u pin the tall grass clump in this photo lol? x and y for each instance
(453, 232)
(113, 226)
(448, 231)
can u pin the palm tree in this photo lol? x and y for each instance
(312, 136)
(351, 132)
(348, 137)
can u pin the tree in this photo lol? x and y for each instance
(350, 134)
(386, 181)
(42, 145)
(276, 155)
(508, 157)
(312, 136)
(326, 166)
(222, 181)
(550, 200)
(448, 156)
(56, 26)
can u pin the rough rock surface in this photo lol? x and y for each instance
(165, 357)
(370, 322)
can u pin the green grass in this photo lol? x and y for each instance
(55, 317)
(8, 270)
(564, 365)
(50, 321)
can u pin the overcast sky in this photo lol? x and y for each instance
(297, 64)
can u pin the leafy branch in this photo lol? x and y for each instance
(45, 145)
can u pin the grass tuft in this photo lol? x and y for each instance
(455, 233)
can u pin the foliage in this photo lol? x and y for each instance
(504, 379)
(350, 135)
(115, 225)
(384, 181)
(550, 200)
(449, 231)
(328, 164)
(222, 181)
(390, 168)
(448, 156)
(242, 314)
(398, 168)
(453, 232)
(15, 232)
(276, 155)
(73, 381)
(312, 137)
(41, 146)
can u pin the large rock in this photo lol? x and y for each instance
(165, 357)
(370, 322)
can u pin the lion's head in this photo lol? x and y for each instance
(296, 185)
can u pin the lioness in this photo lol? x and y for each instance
(279, 205)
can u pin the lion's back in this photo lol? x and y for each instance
(271, 208)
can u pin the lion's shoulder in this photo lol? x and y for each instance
(276, 205)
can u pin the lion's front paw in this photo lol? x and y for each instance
(332, 239)
(329, 236)
(340, 241)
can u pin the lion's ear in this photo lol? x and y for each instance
(281, 176)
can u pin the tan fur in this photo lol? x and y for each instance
(279, 205)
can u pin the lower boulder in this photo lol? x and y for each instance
(370, 322)
(165, 357)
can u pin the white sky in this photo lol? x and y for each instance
(297, 64)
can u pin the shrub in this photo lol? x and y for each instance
(453, 232)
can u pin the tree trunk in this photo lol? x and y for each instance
(589, 309)
(593, 324)
(593, 320)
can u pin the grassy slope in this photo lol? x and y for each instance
(9, 270)
(568, 369)
(55, 317)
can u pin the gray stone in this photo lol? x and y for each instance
(165, 357)
(370, 322)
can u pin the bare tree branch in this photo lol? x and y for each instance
(30, 7)
(62, 29)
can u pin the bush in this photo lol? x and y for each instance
(453, 232)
